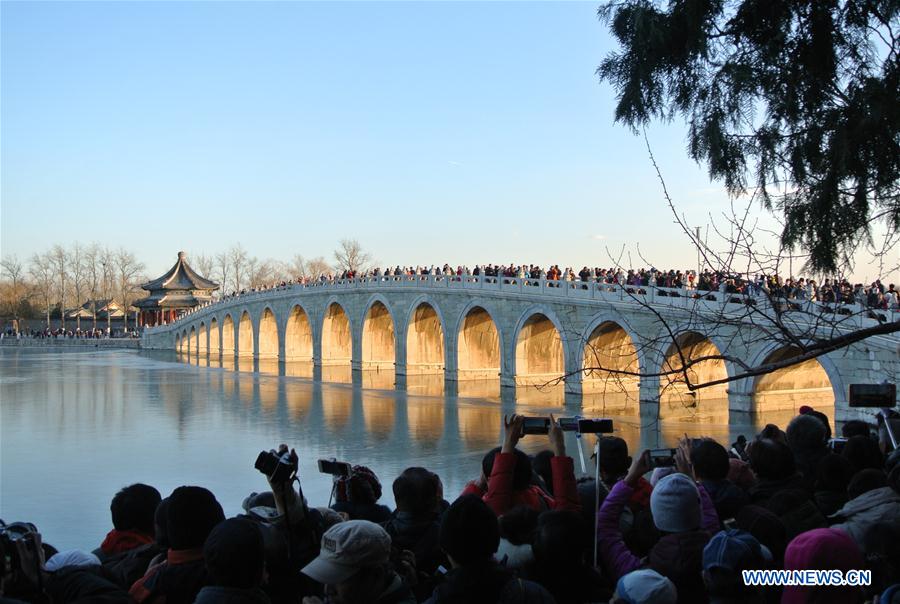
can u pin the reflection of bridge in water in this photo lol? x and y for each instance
(477, 335)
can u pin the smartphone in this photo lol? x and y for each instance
(536, 425)
(662, 458)
(335, 468)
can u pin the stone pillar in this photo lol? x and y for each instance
(574, 383)
(315, 326)
(740, 401)
(740, 407)
(400, 368)
(649, 398)
(451, 358)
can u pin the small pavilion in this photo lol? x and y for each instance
(173, 294)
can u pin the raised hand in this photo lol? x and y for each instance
(557, 438)
(512, 432)
(640, 465)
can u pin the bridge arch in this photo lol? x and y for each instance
(228, 335)
(215, 344)
(479, 344)
(674, 394)
(814, 382)
(298, 336)
(378, 335)
(202, 339)
(267, 335)
(425, 341)
(245, 335)
(610, 358)
(540, 353)
(337, 335)
(192, 341)
(179, 343)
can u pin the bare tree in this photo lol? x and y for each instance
(14, 272)
(262, 272)
(223, 270)
(93, 273)
(238, 260)
(128, 270)
(60, 259)
(41, 270)
(317, 267)
(108, 282)
(204, 264)
(351, 257)
(296, 268)
(754, 304)
(77, 274)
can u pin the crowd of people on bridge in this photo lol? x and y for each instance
(685, 525)
(832, 293)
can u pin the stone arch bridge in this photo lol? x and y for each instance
(528, 331)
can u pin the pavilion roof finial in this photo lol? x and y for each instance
(181, 255)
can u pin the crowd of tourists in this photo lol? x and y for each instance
(875, 295)
(658, 527)
(94, 333)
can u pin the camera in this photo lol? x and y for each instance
(873, 395)
(335, 468)
(837, 444)
(541, 425)
(586, 426)
(20, 568)
(278, 468)
(662, 458)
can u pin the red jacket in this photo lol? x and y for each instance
(501, 497)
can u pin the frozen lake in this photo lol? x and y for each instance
(75, 426)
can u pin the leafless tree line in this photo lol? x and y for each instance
(235, 269)
(64, 278)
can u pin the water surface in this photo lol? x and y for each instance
(76, 426)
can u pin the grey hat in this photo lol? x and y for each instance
(646, 586)
(675, 504)
(346, 548)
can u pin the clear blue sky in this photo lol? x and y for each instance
(430, 132)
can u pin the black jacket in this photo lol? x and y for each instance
(217, 594)
(418, 535)
(84, 585)
(488, 583)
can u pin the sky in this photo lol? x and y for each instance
(460, 132)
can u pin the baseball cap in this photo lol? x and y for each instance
(346, 548)
(735, 550)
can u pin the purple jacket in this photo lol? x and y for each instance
(617, 559)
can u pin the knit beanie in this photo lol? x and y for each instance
(822, 549)
(675, 504)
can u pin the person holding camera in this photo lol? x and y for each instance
(292, 537)
(506, 479)
(683, 514)
(357, 496)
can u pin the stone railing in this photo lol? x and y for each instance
(857, 314)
